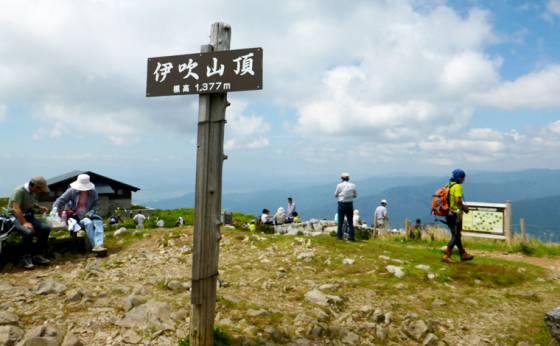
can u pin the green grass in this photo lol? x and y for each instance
(221, 338)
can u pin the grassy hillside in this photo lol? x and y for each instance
(266, 281)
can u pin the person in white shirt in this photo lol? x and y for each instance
(291, 208)
(266, 219)
(139, 219)
(381, 216)
(345, 193)
(280, 217)
(357, 221)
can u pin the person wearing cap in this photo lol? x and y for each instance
(84, 203)
(291, 209)
(455, 218)
(381, 216)
(23, 205)
(345, 193)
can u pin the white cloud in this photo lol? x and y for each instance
(245, 131)
(536, 90)
(554, 7)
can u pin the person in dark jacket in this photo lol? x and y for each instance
(83, 203)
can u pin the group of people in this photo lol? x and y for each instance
(281, 216)
(347, 216)
(78, 205)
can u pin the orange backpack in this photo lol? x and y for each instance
(440, 201)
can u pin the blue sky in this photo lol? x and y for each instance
(369, 87)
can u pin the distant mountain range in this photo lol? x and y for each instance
(535, 195)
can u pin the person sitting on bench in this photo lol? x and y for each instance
(23, 205)
(83, 201)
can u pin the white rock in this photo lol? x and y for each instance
(120, 231)
(348, 261)
(423, 267)
(397, 271)
(318, 297)
(306, 256)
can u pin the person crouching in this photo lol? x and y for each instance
(84, 203)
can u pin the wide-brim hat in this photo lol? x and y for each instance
(345, 175)
(383, 201)
(83, 183)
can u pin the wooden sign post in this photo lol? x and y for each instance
(211, 74)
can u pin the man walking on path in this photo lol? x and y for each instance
(381, 216)
(345, 193)
(455, 218)
(23, 205)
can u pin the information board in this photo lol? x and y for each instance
(485, 218)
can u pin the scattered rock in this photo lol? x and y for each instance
(120, 231)
(423, 267)
(366, 309)
(255, 313)
(131, 337)
(378, 316)
(10, 335)
(438, 303)
(316, 330)
(8, 318)
(395, 270)
(328, 287)
(431, 276)
(177, 286)
(552, 320)
(133, 301)
(415, 329)
(348, 261)
(380, 333)
(152, 314)
(46, 335)
(50, 286)
(401, 286)
(305, 256)
(351, 339)
(388, 318)
(71, 340)
(75, 295)
(318, 297)
(385, 258)
(430, 340)
(272, 331)
(180, 315)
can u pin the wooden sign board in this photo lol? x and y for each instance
(205, 73)
(486, 220)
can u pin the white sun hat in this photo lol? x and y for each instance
(83, 183)
(345, 175)
(384, 201)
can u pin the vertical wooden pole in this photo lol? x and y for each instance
(507, 222)
(407, 228)
(524, 238)
(208, 200)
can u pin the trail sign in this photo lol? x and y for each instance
(212, 73)
(205, 73)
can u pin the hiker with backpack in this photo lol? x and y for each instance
(448, 202)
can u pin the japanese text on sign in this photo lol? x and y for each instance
(213, 72)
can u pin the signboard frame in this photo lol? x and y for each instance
(487, 211)
(212, 72)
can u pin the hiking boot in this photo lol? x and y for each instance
(99, 248)
(27, 263)
(447, 257)
(40, 260)
(466, 257)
